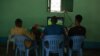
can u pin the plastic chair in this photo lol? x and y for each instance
(53, 44)
(76, 45)
(10, 39)
(19, 43)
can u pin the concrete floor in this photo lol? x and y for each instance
(86, 52)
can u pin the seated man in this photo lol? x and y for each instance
(37, 32)
(19, 30)
(54, 29)
(77, 30)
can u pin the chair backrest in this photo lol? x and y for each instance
(77, 42)
(19, 41)
(55, 42)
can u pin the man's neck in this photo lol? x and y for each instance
(78, 25)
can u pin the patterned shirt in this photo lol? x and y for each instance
(21, 31)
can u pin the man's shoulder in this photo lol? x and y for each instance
(73, 27)
(60, 26)
(77, 27)
(83, 27)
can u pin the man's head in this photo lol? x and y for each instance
(18, 22)
(78, 19)
(54, 20)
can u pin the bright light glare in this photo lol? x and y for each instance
(55, 6)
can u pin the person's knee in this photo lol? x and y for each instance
(28, 43)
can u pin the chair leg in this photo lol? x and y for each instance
(20, 53)
(16, 52)
(36, 52)
(42, 51)
(7, 46)
(61, 54)
(27, 52)
(80, 53)
(69, 52)
(47, 53)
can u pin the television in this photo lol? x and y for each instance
(60, 21)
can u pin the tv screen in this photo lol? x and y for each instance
(59, 22)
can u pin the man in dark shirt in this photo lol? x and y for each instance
(78, 29)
